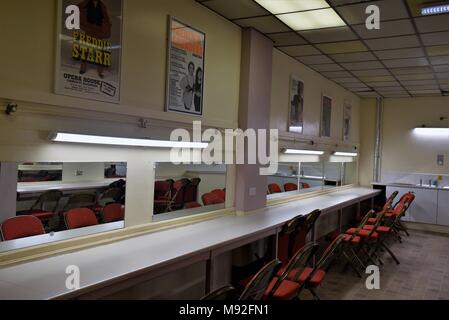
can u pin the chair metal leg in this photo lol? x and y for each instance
(391, 253)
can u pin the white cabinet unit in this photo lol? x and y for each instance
(443, 208)
(424, 208)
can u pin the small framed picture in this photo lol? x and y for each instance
(296, 105)
(326, 116)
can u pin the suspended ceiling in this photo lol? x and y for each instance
(407, 56)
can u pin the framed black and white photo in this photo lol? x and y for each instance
(185, 79)
(296, 105)
(347, 119)
(326, 116)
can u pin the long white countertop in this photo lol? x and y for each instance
(410, 185)
(46, 278)
(34, 187)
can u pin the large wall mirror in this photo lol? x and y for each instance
(293, 178)
(183, 190)
(46, 202)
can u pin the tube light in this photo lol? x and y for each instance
(346, 154)
(435, 9)
(114, 141)
(295, 151)
(432, 132)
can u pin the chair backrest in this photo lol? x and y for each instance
(113, 212)
(219, 193)
(257, 286)
(299, 261)
(80, 218)
(274, 188)
(21, 227)
(162, 190)
(290, 187)
(191, 190)
(109, 196)
(222, 294)
(177, 191)
(404, 203)
(331, 252)
(80, 200)
(286, 238)
(211, 199)
(304, 229)
(48, 201)
(192, 205)
(305, 185)
(388, 204)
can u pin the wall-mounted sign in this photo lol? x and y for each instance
(296, 105)
(347, 118)
(440, 160)
(326, 116)
(185, 79)
(88, 58)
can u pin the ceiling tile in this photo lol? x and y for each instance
(312, 19)
(373, 72)
(353, 57)
(296, 51)
(286, 39)
(444, 81)
(390, 89)
(342, 47)
(439, 60)
(362, 65)
(393, 95)
(342, 2)
(383, 84)
(435, 39)
(441, 68)
(437, 50)
(443, 75)
(367, 94)
(390, 9)
(264, 24)
(425, 92)
(236, 8)
(414, 70)
(388, 29)
(346, 80)
(401, 53)
(400, 63)
(423, 76)
(432, 23)
(423, 87)
(393, 43)
(326, 67)
(419, 82)
(336, 74)
(358, 89)
(377, 79)
(333, 34)
(356, 86)
(318, 59)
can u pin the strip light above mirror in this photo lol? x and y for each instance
(345, 154)
(432, 132)
(116, 141)
(305, 152)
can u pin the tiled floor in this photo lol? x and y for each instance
(422, 274)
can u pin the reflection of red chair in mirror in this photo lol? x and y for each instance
(274, 188)
(113, 212)
(110, 195)
(80, 218)
(305, 185)
(290, 187)
(162, 191)
(21, 227)
(175, 200)
(46, 205)
(220, 193)
(192, 205)
(211, 199)
(191, 191)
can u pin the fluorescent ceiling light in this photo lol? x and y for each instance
(433, 132)
(296, 129)
(285, 6)
(346, 154)
(113, 141)
(295, 151)
(309, 20)
(435, 9)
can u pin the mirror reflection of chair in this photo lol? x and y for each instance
(274, 188)
(46, 205)
(211, 199)
(21, 227)
(192, 205)
(305, 185)
(80, 218)
(113, 212)
(290, 187)
(220, 193)
(80, 200)
(191, 190)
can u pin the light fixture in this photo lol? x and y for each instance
(435, 9)
(303, 15)
(114, 141)
(285, 6)
(433, 132)
(345, 154)
(305, 152)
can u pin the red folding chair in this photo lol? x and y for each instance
(113, 212)
(274, 188)
(219, 193)
(192, 205)
(211, 199)
(80, 218)
(290, 187)
(45, 207)
(21, 227)
(256, 288)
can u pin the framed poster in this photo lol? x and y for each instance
(326, 116)
(88, 59)
(185, 79)
(296, 105)
(347, 118)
